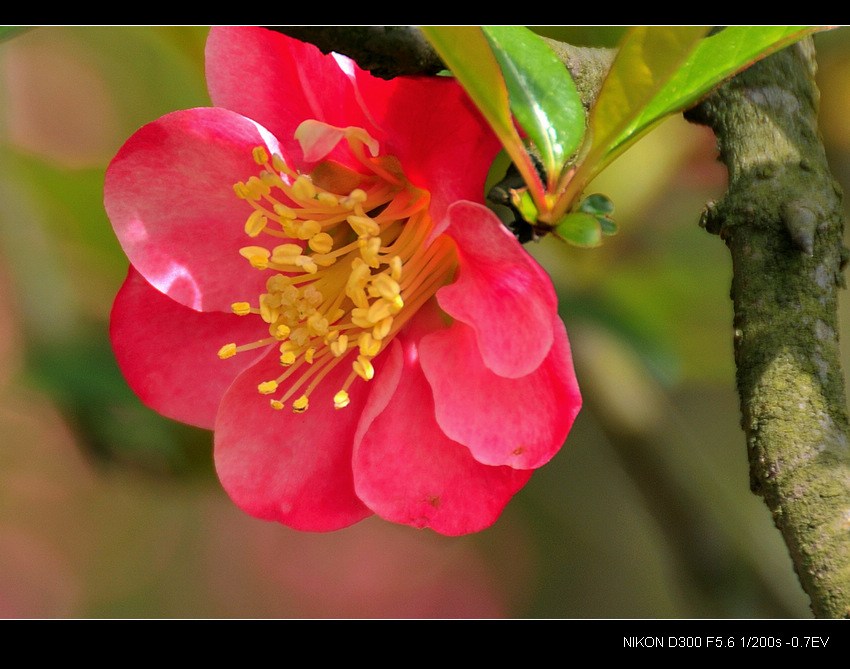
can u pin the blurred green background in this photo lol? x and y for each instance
(108, 510)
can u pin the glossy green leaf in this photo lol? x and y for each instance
(664, 70)
(580, 229)
(466, 51)
(716, 58)
(542, 94)
(648, 58)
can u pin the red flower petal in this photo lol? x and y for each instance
(439, 137)
(279, 82)
(500, 291)
(517, 422)
(168, 352)
(408, 471)
(169, 195)
(429, 124)
(288, 467)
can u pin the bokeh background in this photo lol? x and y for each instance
(108, 510)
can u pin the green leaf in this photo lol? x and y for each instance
(466, 51)
(715, 59)
(542, 94)
(525, 205)
(663, 70)
(580, 229)
(607, 225)
(647, 59)
(597, 204)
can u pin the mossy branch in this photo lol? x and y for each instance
(782, 220)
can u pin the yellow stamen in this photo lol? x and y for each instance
(267, 387)
(260, 155)
(256, 255)
(341, 400)
(256, 223)
(348, 265)
(227, 351)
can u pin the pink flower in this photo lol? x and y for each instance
(384, 344)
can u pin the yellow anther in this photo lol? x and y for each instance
(256, 223)
(382, 329)
(286, 254)
(260, 155)
(241, 190)
(369, 346)
(270, 307)
(306, 229)
(277, 283)
(279, 165)
(267, 387)
(340, 346)
(355, 197)
(306, 263)
(363, 368)
(379, 310)
(359, 317)
(256, 255)
(357, 282)
(300, 405)
(312, 295)
(369, 250)
(341, 400)
(287, 358)
(272, 179)
(328, 199)
(256, 188)
(364, 226)
(227, 351)
(386, 286)
(321, 242)
(303, 188)
(318, 324)
(241, 308)
(308, 355)
(281, 331)
(276, 404)
(300, 336)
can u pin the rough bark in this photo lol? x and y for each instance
(782, 221)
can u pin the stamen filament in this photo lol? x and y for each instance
(352, 269)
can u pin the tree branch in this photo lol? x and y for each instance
(386, 51)
(783, 223)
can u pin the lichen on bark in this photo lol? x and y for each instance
(782, 221)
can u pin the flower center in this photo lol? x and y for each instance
(353, 268)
